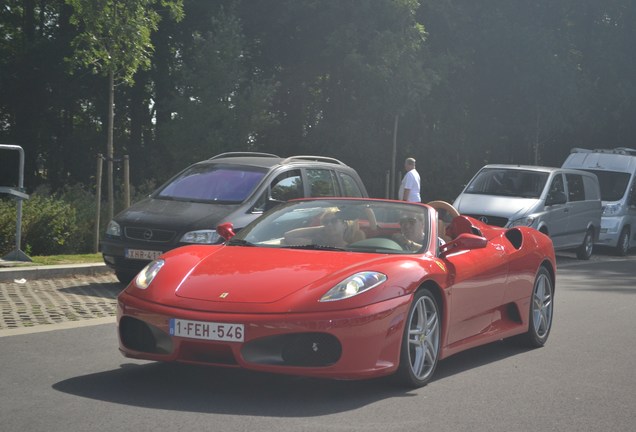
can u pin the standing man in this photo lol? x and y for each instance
(410, 186)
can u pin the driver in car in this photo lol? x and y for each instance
(411, 235)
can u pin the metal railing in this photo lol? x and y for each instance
(19, 194)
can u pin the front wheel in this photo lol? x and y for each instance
(125, 276)
(584, 252)
(421, 341)
(541, 310)
(622, 248)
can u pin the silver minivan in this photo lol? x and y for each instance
(564, 204)
(616, 172)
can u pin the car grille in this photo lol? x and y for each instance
(149, 235)
(490, 220)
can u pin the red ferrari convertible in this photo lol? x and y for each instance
(342, 288)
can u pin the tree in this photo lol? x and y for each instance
(115, 41)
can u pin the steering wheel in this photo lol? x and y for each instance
(445, 214)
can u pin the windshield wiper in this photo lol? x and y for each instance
(315, 247)
(239, 242)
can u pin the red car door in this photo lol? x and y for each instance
(478, 281)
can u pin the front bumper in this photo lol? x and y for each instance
(350, 344)
(610, 231)
(113, 252)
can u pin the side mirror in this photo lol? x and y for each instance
(556, 198)
(463, 242)
(226, 230)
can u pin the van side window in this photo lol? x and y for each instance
(556, 193)
(349, 185)
(576, 191)
(322, 183)
(288, 185)
(285, 186)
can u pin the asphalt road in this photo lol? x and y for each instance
(584, 379)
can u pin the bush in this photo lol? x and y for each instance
(62, 223)
(47, 225)
(50, 225)
(8, 212)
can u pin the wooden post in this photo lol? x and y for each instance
(126, 181)
(98, 195)
(393, 156)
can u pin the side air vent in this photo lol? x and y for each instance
(515, 237)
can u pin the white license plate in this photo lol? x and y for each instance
(206, 330)
(140, 254)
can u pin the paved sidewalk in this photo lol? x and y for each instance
(33, 296)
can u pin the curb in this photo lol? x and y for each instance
(9, 274)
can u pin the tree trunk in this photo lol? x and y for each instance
(109, 144)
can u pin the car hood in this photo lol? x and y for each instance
(175, 215)
(492, 205)
(239, 274)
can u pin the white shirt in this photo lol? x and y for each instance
(411, 181)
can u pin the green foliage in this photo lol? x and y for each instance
(52, 224)
(115, 36)
(471, 82)
(47, 224)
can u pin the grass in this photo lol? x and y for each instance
(62, 259)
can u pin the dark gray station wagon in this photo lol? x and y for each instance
(230, 187)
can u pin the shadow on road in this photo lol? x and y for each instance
(109, 290)
(597, 274)
(240, 392)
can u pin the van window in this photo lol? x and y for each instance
(576, 190)
(613, 184)
(213, 182)
(508, 182)
(350, 186)
(557, 190)
(322, 183)
(287, 186)
(591, 188)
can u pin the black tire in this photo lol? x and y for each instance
(124, 276)
(541, 310)
(584, 252)
(420, 342)
(622, 247)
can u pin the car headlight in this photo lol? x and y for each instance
(524, 221)
(611, 209)
(354, 285)
(113, 229)
(201, 237)
(146, 276)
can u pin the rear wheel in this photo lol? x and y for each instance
(622, 248)
(421, 341)
(584, 252)
(541, 310)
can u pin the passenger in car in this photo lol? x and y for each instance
(335, 231)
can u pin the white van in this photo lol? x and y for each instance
(562, 203)
(616, 172)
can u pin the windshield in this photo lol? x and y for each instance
(340, 224)
(508, 182)
(214, 183)
(613, 184)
